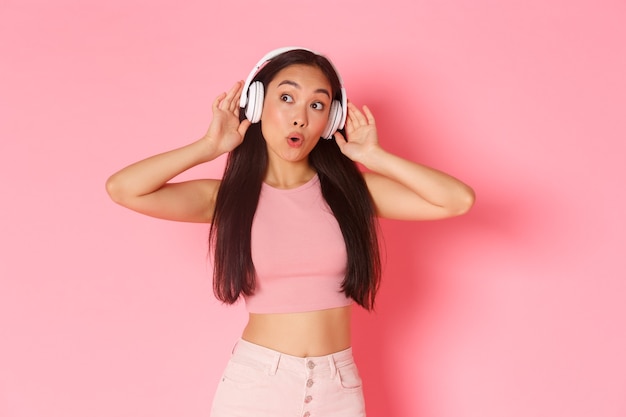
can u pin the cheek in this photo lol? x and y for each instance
(320, 120)
(272, 116)
(266, 112)
(271, 120)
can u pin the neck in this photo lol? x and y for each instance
(288, 175)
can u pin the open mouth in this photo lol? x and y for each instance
(295, 139)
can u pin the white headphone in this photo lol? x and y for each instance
(253, 94)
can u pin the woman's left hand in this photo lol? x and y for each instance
(362, 136)
(400, 189)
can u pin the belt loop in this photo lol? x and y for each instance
(333, 367)
(274, 364)
(232, 352)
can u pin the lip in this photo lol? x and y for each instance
(297, 143)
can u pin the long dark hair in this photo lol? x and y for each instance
(343, 188)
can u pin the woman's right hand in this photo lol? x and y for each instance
(226, 132)
(145, 186)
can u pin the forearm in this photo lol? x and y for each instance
(436, 187)
(150, 174)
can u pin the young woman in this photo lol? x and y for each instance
(293, 228)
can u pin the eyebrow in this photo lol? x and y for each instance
(296, 85)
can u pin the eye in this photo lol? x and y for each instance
(317, 105)
(286, 98)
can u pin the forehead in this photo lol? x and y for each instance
(306, 76)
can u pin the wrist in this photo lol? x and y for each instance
(207, 149)
(374, 158)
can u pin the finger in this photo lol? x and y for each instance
(229, 97)
(352, 115)
(226, 104)
(359, 118)
(340, 140)
(369, 115)
(349, 124)
(234, 104)
(217, 101)
(243, 127)
(350, 118)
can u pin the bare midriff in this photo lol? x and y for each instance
(307, 334)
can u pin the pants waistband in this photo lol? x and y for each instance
(272, 360)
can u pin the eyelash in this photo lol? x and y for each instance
(318, 105)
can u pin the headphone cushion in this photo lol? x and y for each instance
(254, 108)
(334, 119)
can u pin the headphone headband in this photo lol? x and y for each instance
(243, 101)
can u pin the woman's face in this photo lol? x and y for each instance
(295, 111)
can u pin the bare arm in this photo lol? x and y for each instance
(401, 189)
(144, 186)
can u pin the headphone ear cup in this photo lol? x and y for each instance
(334, 119)
(254, 108)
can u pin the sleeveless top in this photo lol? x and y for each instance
(298, 252)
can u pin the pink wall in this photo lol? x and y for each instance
(515, 310)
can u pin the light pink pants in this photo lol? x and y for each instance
(261, 382)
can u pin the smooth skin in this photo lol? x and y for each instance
(295, 112)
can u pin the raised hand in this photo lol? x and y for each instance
(361, 134)
(226, 132)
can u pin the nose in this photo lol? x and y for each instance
(300, 117)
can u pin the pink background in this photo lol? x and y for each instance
(517, 309)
